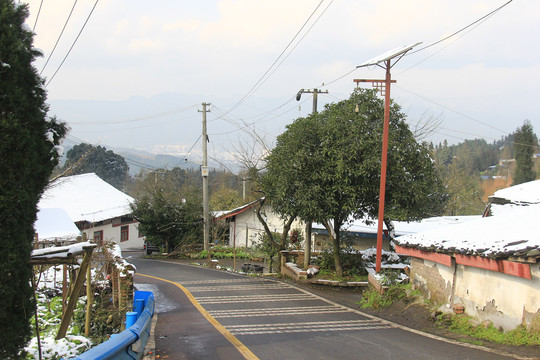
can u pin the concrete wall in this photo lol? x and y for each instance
(503, 299)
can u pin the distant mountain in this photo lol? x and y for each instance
(140, 159)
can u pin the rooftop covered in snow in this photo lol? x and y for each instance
(493, 236)
(369, 226)
(506, 200)
(86, 197)
(55, 224)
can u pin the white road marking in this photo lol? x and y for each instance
(300, 310)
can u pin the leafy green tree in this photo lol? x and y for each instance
(28, 154)
(326, 167)
(525, 143)
(173, 221)
(111, 167)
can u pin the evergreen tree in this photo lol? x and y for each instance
(525, 143)
(86, 158)
(27, 157)
(169, 220)
(326, 167)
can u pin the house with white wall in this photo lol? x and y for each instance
(244, 227)
(100, 211)
(490, 266)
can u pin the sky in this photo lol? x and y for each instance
(139, 71)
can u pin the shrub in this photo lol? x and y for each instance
(374, 300)
(351, 262)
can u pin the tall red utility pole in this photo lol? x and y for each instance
(385, 59)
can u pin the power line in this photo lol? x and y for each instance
(452, 110)
(255, 87)
(462, 29)
(37, 16)
(299, 41)
(242, 127)
(140, 118)
(77, 141)
(59, 36)
(77, 38)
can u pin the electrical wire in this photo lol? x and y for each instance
(72, 45)
(140, 118)
(299, 41)
(255, 87)
(462, 29)
(77, 141)
(452, 110)
(37, 16)
(59, 36)
(242, 127)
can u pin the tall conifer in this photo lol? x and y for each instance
(27, 157)
(525, 143)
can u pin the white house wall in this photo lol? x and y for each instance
(505, 300)
(112, 233)
(248, 227)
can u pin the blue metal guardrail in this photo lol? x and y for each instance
(130, 343)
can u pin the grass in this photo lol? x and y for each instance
(461, 324)
(372, 299)
(331, 275)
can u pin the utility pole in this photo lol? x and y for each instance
(384, 61)
(315, 92)
(204, 173)
(307, 242)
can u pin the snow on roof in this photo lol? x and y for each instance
(492, 236)
(86, 197)
(238, 210)
(403, 227)
(504, 201)
(55, 223)
(528, 192)
(62, 251)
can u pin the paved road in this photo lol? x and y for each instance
(268, 319)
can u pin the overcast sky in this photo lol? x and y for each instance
(140, 70)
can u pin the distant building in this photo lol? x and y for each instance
(100, 211)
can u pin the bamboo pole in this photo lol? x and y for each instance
(89, 300)
(73, 296)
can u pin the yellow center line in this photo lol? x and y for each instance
(246, 353)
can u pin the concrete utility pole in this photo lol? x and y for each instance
(204, 173)
(315, 92)
(307, 243)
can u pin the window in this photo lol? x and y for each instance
(98, 237)
(124, 233)
(141, 233)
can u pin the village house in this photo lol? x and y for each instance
(100, 211)
(243, 228)
(488, 268)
